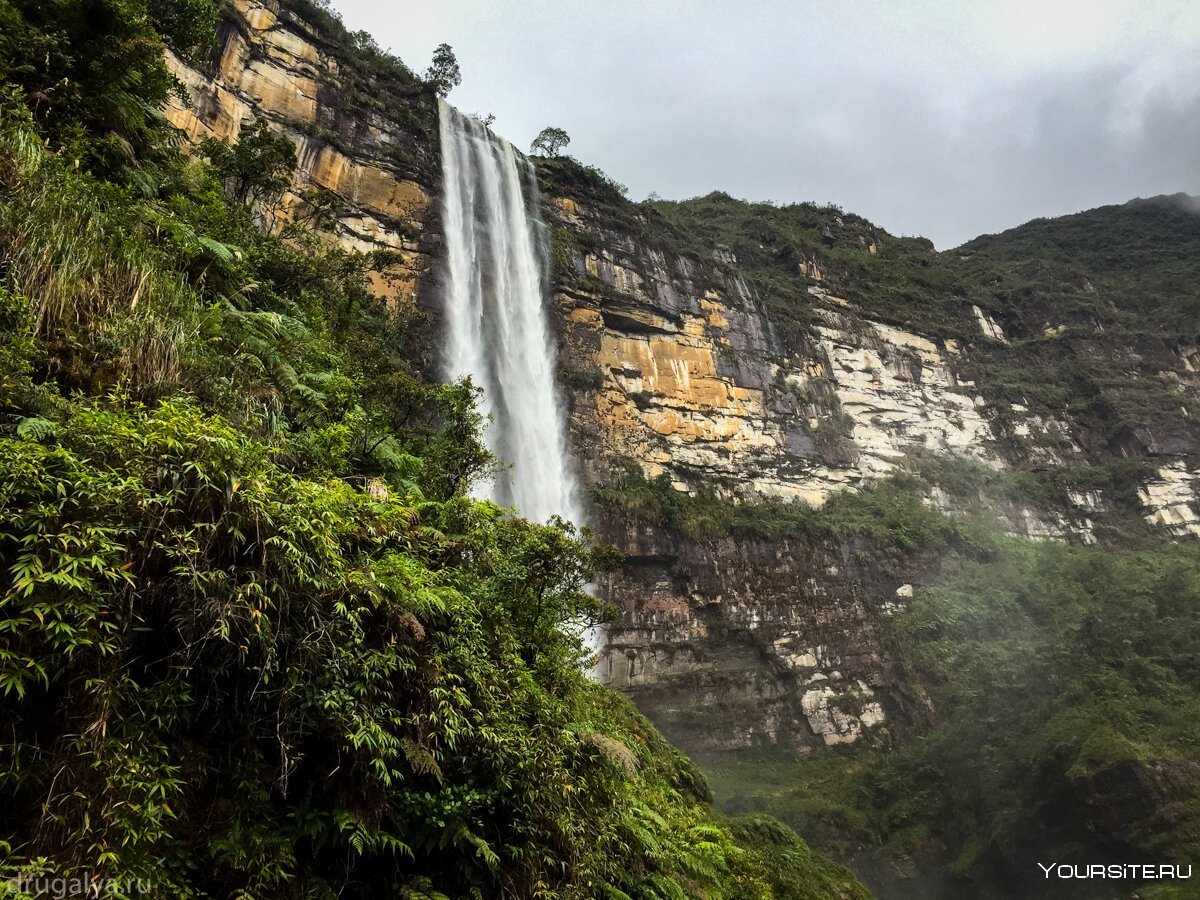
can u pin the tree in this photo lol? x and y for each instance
(549, 141)
(97, 69)
(540, 585)
(443, 74)
(258, 167)
(187, 26)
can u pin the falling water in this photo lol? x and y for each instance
(497, 328)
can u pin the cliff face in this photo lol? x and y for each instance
(732, 643)
(379, 159)
(791, 379)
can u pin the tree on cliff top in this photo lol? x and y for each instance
(443, 74)
(549, 141)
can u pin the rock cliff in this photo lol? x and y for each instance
(379, 157)
(810, 354)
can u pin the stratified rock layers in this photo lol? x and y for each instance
(727, 644)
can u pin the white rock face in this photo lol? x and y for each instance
(829, 716)
(693, 388)
(989, 326)
(900, 394)
(698, 390)
(839, 710)
(1171, 500)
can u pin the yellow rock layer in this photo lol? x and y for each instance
(284, 86)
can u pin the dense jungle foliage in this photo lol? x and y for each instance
(1055, 686)
(256, 639)
(1066, 700)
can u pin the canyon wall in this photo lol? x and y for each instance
(738, 643)
(672, 360)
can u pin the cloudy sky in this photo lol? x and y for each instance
(945, 118)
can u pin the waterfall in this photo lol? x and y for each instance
(497, 328)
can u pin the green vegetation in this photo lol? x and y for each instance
(256, 640)
(891, 515)
(899, 280)
(1055, 687)
(565, 176)
(584, 378)
(95, 78)
(372, 82)
(1115, 288)
(255, 170)
(443, 74)
(1062, 691)
(1062, 695)
(1118, 521)
(826, 795)
(549, 141)
(1130, 267)
(1135, 263)
(793, 870)
(1065, 696)
(1069, 699)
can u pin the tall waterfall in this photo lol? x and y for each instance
(495, 308)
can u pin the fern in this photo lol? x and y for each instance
(464, 835)
(34, 428)
(421, 759)
(421, 888)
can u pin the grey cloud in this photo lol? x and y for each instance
(911, 114)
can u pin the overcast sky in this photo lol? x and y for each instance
(944, 118)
